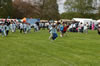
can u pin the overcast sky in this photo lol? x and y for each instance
(61, 6)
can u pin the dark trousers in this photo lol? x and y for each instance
(7, 32)
(21, 30)
(24, 30)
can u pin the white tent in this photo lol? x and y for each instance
(98, 21)
(84, 20)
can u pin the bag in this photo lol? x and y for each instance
(61, 28)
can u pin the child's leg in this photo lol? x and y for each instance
(50, 36)
(7, 32)
(13, 30)
(2, 33)
(87, 31)
(21, 30)
(60, 33)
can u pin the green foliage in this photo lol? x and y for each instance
(80, 6)
(79, 9)
(6, 9)
(70, 15)
(50, 10)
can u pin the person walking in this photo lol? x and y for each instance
(21, 27)
(93, 26)
(7, 30)
(61, 30)
(85, 29)
(25, 27)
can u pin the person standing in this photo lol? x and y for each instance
(93, 26)
(25, 27)
(61, 30)
(14, 26)
(98, 29)
(28, 28)
(81, 27)
(7, 30)
(11, 27)
(65, 29)
(85, 29)
(35, 27)
(21, 27)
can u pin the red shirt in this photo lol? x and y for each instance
(65, 28)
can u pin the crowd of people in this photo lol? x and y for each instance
(53, 28)
(72, 27)
(7, 26)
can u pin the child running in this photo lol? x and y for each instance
(53, 33)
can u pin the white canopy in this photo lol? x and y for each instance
(84, 20)
(98, 21)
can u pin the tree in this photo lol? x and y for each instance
(5, 8)
(80, 6)
(25, 9)
(49, 10)
(80, 9)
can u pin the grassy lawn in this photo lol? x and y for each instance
(35, 49)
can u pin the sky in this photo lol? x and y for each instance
(61, 6)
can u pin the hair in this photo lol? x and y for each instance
(81, 23)
(53, 26)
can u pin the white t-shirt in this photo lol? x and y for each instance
(21, 26)
(85, 27)
(74, 25)
(35, 26)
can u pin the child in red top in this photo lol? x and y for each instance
(64, 29)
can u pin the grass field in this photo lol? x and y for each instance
(35, 49)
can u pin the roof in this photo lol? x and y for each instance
(43, 20)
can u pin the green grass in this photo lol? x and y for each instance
(35, 49)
